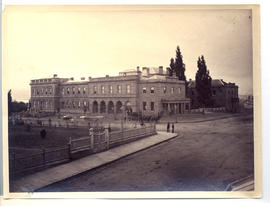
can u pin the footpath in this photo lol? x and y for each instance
(49, 176)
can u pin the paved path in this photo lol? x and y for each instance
(46, 177)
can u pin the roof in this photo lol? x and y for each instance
(214, 83)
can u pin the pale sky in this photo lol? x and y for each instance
(82, 41)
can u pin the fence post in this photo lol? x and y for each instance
(91, 134)
(107, 138)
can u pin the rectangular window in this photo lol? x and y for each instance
(144, 90)
(84, 90)
(95, 90)
(79, 104)
(152, 106)
(110, 89)
(119, 89)
(152, 90)
(67, 90)
(144, 106)
(102, 89)
(179, 90)
(165, 90)
(73, 90)
(172, 90)
(128, 89)
(79, 90)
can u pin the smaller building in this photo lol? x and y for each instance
(223, 95)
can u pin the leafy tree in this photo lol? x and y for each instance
(14, 106)
(171, 68)
(203, 83)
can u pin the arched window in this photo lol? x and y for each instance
(119, 107)
(152, 90)
(110, 107)
(102, 107)
(95, 107)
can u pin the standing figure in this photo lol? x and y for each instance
(172, 127)
(168, 127)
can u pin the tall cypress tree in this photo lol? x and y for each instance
(203, 83)
(179, 66)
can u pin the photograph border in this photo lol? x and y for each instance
(179, 194)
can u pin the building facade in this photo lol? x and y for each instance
(149, 92)
(223, 95)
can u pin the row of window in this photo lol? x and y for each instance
(152, 90)
(214, 92)
(42, 104)
(74, 104)
(95, 90)
(42, 91)
(152, 106)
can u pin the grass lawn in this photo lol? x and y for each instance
(56, 137)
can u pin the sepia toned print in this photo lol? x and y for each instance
(131, 99)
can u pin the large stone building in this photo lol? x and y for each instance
(223, 95)
(149, 92)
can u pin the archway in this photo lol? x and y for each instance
(119, 107)
(102, 107)
(95, 107)
(110, 107)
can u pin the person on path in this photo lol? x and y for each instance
(168, 127)
(172, 127)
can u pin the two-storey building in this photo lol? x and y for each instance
(150, 92)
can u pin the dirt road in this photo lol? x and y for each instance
(208, 157)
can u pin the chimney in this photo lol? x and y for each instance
(160, 69)
(55, 76)
(89, 78)
(138, 68)
(82, 78)
(107, 76)
(72, 78)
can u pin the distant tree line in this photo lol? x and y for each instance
(202, 78)
(14, 106)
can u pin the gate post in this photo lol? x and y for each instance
(91, 134)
